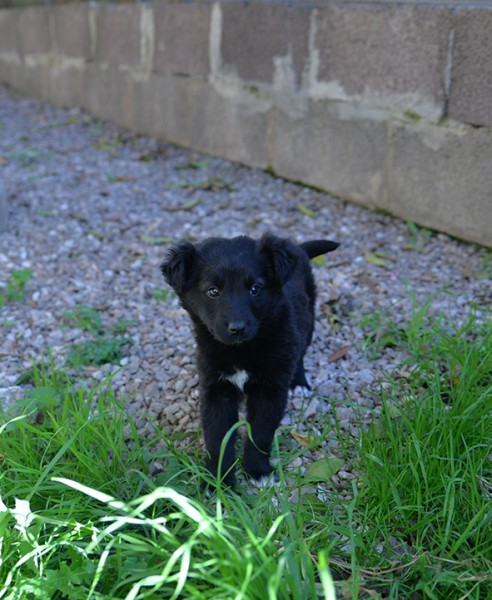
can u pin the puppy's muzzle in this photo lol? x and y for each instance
(237, 332)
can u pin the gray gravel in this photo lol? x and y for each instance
(90, 207)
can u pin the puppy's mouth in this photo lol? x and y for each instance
(235, 338)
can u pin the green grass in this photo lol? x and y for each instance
(82, 518)
(90, 510)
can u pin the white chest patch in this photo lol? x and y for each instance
(239, 378)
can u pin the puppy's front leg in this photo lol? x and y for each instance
(265, 411)
(219, 412)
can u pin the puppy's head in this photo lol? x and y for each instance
(231, 285)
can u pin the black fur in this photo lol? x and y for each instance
(252, 307)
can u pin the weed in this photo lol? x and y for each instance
(85, 318)
(419, 236)
(99, 351)
(27, 157)
(15, 286)
(108, 144)
(106, 344)
(381, 332)
(486, 270)
(212, 184)
(161, 294)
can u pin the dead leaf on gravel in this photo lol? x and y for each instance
(306, 211)
(134, 251)
(339, 353)
(186, 206)
(78, 217)
(319, 261)
(118, 178)
(374, 259)
(303, 439)
(155, 241)
(97, 234)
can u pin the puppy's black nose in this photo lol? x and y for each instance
(237, 327)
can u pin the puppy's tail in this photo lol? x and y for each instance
(316, 247)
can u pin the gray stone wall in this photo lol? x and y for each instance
(386, 105)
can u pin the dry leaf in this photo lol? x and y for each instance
(306, 211)
(319, 261)
(374, 259)
(339, 353)
(155, 241)
(303, 439)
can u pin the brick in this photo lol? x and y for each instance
(109, 94)
(118, 34)
(182, 38)
(441, 176)
(343, 156)
(233, 130)
(471, 82)
(8, 30)
(34, 31)
(72, 30)
(384, 49)
(253, 35)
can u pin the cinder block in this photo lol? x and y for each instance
(26, 79)
(105, 91)
(253, 35)
(181, 38)
(72, 30)
(471, 82)
(441, 176)
(34, 31)
(230, 129)
(164, 102)
(118, 34)
(67, 86)
(191, 113)
(345, 157)
(384, 49)
(8, 30)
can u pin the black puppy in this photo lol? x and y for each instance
(252, 307)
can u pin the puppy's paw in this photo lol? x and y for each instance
(266, 481)
(301, 397)
(209, 488)
(258, 467)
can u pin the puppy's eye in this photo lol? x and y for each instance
(213, 292)
(254, 290)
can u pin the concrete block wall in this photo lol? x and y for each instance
(385, 104)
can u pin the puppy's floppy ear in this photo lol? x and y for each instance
(180, 266)
(280, 256)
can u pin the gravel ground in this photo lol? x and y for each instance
(91, 208)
